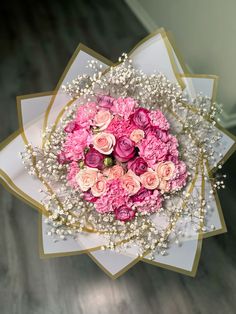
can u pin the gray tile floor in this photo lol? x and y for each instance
(36, 42)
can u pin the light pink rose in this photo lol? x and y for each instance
(99, 188)
(165, 170)
(149, 180)
(123, 107)
(103, 119)
(104, 142)
(114, 172)
(130, 182)
(86, 178)
(164, 186)
(137, 135)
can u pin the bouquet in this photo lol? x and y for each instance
(119, 160)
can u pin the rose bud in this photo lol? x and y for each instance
(71, 127)
(94, 159)
(124, 149)
(124, 213)
(141, 118)
(138, 165)
(108, 162)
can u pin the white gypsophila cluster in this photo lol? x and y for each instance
(192, 124)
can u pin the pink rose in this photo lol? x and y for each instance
(141, 195)
(104, 142)
(99, 188)
(137, 135)
(149, 180)
(94, 159)
(159, 120)
(71, 127)
(165, 170)
(103, 119)
(138, 165)
(124, 213)
(124, 149)
(114, 172)
(105, 101)
(123, 107)
(130, 182)
(86, 178)
(141, 118)
(152, 150)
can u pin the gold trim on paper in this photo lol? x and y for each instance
(44, 255)
(81, 47)
(109, 63)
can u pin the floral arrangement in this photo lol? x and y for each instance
(122, 157)
(124, 165)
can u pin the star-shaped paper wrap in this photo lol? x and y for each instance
(154, 53)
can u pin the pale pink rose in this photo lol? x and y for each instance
(123, 107)
(130, 182)
(104, 142)
(103, 119)
(164, 186)
(86, 178)
(165, 170)
(99, 188)
(137, 135)
(149, 180)
(114, 172)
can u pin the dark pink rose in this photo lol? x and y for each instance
(138, 165)
(141, 118)
(105, 101)
(62, 159)
(71, 127)
(94, 159)
(141, 195)
(124, 149)
(124, 213)
(89, 197)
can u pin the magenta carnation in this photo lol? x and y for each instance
(159, 120)
(75, 144)
(114, 197)
(120, 127)
(152, 150)
(123, 107)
